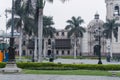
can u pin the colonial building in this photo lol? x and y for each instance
(113, 12)
(94, 30)
(61, 45)
(86, 45)
(64, 46)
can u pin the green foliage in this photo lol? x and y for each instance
(80, 57)
(69, 72)
(111, 27)
(74, 24)
(66, 57)
(2, 65)
(53, 66)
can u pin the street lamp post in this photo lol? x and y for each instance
(6, 26)
(11, 48)
(99, 55)
(11, 65)
(98, 35)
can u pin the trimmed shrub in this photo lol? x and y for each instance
(53, 66)
(2, 65)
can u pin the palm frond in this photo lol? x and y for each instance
(68, 27)
(29, 10)
(48, 21)
(50, 1)
(111, 27)
(64, 0)
(75, 25)
(16, 22)
(69, 21)
(71, 32)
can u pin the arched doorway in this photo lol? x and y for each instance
(49, 52)
(96, 50)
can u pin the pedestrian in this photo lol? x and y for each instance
(108, 58)
(1, 56)
(6, 56)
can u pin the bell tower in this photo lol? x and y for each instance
(113, 9)
(113, 12)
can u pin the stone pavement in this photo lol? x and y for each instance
(53, 77)
(83, 61)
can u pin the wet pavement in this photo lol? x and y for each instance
(53, 77)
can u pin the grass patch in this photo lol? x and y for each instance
(118, 74)
(80, 57)
(69, 72)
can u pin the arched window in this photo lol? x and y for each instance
(57, 34)
(49, 52)
(63, 34)
(116, 10)
(62, 52)
(57, 52)
(49, 41)
(68, 52)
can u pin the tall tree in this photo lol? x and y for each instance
(21, 20)
(111, 27)
(48, 31)
(40, 6)
(75, 29)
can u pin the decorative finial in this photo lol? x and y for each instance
(96, 15)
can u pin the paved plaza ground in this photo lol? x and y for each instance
(53, 77)
(83, 61)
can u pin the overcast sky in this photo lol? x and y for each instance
(64, 11)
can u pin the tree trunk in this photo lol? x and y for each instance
(75, 47)
(20, 44)
(44, 52)
(111, 48)
(35, 50)
(80, 46)
(40, 30)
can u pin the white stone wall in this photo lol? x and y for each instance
(60, 36)
(110, 5)
(84, 44)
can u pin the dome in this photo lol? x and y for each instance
(95, 22)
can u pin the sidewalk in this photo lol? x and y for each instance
(82, 61)
(53, 77)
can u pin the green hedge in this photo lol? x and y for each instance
(53, 66)
(2, 65)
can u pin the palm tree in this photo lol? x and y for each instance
(47, 22)
(111, 27)
(48, 30)
(40, 6)
(75, 29)
(22, 19)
